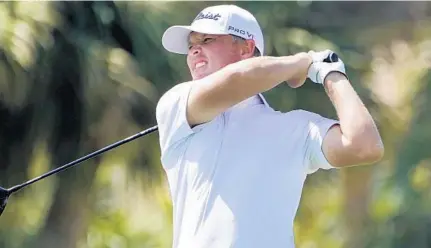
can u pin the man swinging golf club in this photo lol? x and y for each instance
(236, 166)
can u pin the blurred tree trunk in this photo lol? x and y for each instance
(356, 183)
(67, 219)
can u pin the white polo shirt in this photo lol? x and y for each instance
(236, 181)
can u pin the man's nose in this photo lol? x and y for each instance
(196, 50)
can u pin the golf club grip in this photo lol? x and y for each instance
(91, 155)
(333, 57)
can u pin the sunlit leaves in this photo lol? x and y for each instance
(128, 201)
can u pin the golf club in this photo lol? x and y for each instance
(5, 193)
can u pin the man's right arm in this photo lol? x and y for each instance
(236, 82)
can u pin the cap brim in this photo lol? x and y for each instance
(175, 38)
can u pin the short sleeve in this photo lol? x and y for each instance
(316, 129)
(171, 116)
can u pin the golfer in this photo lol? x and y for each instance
(235, 166)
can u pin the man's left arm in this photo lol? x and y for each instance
(356, 140)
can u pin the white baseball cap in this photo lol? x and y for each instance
(217, 20)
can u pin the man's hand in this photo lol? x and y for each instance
(319, 56)
(319, 70)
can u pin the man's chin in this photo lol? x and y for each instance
(200, 76)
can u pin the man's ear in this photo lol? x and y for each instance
(247, 50)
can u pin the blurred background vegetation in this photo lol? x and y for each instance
(76, 76)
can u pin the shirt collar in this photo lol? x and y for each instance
(251, 101)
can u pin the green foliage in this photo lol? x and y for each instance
(76, 76)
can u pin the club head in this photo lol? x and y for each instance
(4, 195)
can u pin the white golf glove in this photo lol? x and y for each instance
(318, 69)
(319, 56)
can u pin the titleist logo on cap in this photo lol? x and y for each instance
(208, 15)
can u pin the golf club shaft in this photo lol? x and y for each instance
(75, 162)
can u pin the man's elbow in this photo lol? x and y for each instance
(369, 152)
(374, 155)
